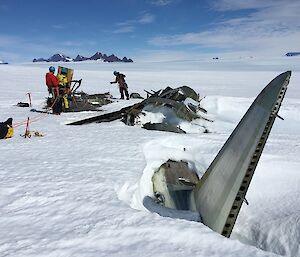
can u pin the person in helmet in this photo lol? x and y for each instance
(120, 79)
(62, 78)
(64, 85)
(52, 82)
(53, 88)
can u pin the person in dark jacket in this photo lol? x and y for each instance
(120, 79)
(6, 129)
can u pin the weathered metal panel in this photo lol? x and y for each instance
(220, 192)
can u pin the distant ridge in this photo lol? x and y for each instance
(79, 58)
(292, 53)
(3, 62)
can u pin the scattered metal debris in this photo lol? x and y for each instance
(163, 127)
(136, 96)
(96, 100)
(22, 104)
(173, 99)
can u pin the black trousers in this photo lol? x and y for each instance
(57, 107)
(122, 91)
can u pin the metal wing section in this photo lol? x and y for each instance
(220, 192)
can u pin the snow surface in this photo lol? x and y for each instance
(78, 190)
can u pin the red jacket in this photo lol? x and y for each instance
(51, 80)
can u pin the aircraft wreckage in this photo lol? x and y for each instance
(182, 102)
(219, 194)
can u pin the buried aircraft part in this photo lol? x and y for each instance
(219, 194)
(173, 184)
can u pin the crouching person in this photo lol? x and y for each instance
(6, 129)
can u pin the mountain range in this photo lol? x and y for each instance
(79, 58)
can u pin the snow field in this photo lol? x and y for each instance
(77, 191)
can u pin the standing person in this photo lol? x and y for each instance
(120, 79)
(52, 82)
(64, 87)
(53, 88)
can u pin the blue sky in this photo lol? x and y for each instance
(148, 29)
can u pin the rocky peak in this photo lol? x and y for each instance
(79, 58)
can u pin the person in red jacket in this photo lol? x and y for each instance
(52, 82)
(53, 88)
(120, 79)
